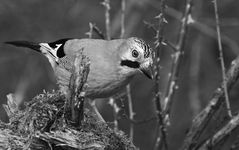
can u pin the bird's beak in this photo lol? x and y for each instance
(147, 72)
(146, 68)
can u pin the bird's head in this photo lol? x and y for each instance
(136, 55)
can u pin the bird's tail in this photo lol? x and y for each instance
(31, 45)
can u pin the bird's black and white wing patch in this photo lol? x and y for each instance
(58, 47)
(54, 50)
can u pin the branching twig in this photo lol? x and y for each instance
(205, 29)
(151, 26)
(161, 134)
(202, 27)
(202, 120)
(173, 79)
(94, 28)
(165, 41)
(222, 60)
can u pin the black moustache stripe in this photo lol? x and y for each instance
(129, 63)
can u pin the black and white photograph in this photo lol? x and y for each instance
(119, 75)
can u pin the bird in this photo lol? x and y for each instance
(113, 63)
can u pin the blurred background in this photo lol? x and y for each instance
(27, 73)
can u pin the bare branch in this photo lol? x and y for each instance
(222, 134)
(201, 120)
(173, 78)
(205, 29)
(170, 44)
(222, 60)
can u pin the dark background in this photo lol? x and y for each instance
(27, 73)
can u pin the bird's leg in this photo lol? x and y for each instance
(93, 108)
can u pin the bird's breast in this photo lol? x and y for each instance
(104, 80)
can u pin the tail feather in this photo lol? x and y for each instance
(31, 45)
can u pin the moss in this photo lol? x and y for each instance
(41, 125)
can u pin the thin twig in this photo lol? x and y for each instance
(171, 45)
(116, 111)
(177, 58)
(200, 26)
(161, 131)
(151, 26)
(106, 4)
(201, 120)
(222, 60)
(122, 19)
(131, 112)
(205, 29)
(94, 28)
(90, 32)
(165, 41)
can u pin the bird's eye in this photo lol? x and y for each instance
(135, 53)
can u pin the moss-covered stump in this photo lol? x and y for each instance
(41, 125)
